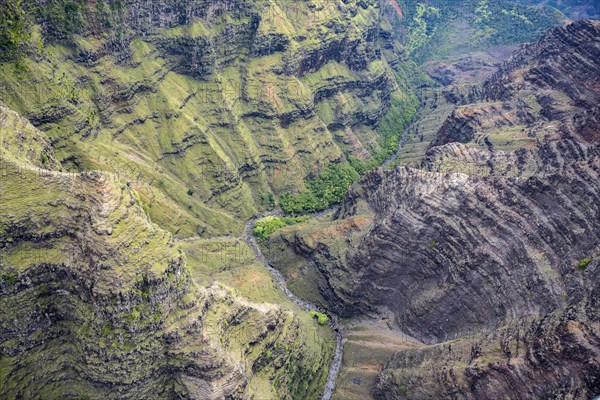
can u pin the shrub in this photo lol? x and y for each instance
(325, 190)
(267, 199)
(106, 329)
(10, 278)
(134, 316)
(322, 319)
(583, 264)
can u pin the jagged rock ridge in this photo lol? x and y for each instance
(489, 257)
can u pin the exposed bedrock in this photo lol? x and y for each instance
(548, 88)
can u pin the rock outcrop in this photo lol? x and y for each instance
(548, 88)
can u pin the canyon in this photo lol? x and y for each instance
(143, 142)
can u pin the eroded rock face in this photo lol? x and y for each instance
(548, 88)
(496, 241)
(564, 60)
(489, 257)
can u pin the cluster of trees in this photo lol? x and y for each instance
(321, 318)
(324, 191)
(14, 28)
(397, 119)
(583, 263)
(515, 24)
(422, 27)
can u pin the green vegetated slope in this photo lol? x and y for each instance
(203, 115)
(576, 9)
(439, 29)
(96, 301)
(210, 109)
(100, 302)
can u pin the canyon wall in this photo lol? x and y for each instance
(487, 254)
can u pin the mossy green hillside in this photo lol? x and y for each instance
(305, 355)
(30, 146)
(197, 121)
(235, 106)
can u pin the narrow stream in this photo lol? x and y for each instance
(405, 134)
(305, 305)
(401, 142)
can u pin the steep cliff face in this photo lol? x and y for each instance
(545, 89)
(488, 257)
(211, 108)
(97, 301)
(461, 224)
(554, 357)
